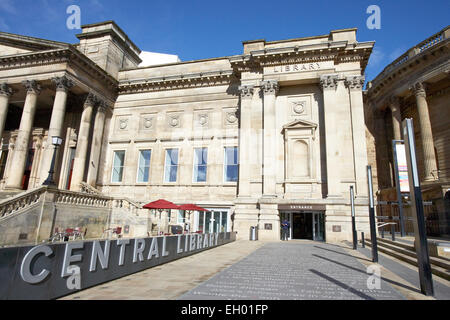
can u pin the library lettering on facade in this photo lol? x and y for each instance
(277, 132)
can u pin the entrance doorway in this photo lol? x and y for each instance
(305, 225)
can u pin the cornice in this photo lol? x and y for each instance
(338, 51)
(182, 81)
(64, 55)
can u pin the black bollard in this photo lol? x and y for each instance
(393, 231)
(363, 244)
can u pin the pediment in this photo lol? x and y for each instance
(300, 124)
(13, 44)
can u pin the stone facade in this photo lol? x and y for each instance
(277, 130)
(416, 85)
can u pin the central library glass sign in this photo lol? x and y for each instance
(50, 271)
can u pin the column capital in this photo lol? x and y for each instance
(5, 90)
(102, 106)
(91, 100)
(328, 81)
(394, 102)
(270, 86)
(355, 82)
(246, 91)
(419, 89)
(63, 83)
(32, 86)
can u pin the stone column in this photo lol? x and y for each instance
(23, 138)
(5, 93)
(270, 89)
(328, 84)
(394, 105)
(425, 132)
(355, 85)
(79, 163)
(244, 140)
(96, 144)
(63, 85)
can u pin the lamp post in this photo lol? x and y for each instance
(56, 141)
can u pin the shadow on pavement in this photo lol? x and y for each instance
(356, 269)
(342, 285)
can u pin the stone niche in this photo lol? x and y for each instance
(300, 159)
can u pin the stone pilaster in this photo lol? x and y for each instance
(96, 144)
(244, 140)
(270, 89)
(425, 132)
(63, 84)
(5, 93)
(355, 85)
(23, 138)
(394, 105)
(79, 163)
(328, 83)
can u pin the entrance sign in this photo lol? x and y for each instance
(401, 178)
(51, 271)
(421, 243)
(401, 165)
(301, 207)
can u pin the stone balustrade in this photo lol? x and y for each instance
(418, 49)
(82, 199)
(21, 201)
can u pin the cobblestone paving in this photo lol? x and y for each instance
(293, 271)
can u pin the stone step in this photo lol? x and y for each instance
(397, 243)
(405, 255)
(412, 253)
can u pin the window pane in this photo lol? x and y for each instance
(117, 173)
(144, 165)
(223, 223)
(200, 164)
(231, 164)
(207, 222)
(170, 171)
(201, 216)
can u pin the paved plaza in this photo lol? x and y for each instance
(246, 270)
(294, 271)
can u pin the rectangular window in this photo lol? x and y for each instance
(171, 165)
(3, 158)
(200, 164)
(144, 165)
(118, 162)
(231, 164)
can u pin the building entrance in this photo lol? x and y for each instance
(305, 225)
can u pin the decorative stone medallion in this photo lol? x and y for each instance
(123, 124)
(202, 119)
(298, 107)
(231, 118)
(174, 121)
(148, 122)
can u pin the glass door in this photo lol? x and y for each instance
(319, 226)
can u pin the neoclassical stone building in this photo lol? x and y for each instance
(416, 85)
(275, 133)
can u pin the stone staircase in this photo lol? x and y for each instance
(405, 252)
(9, 194)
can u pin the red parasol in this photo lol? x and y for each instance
(191, 207)
(161, 204)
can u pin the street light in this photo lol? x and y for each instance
(56, 141)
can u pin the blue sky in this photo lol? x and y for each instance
(198, 29)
